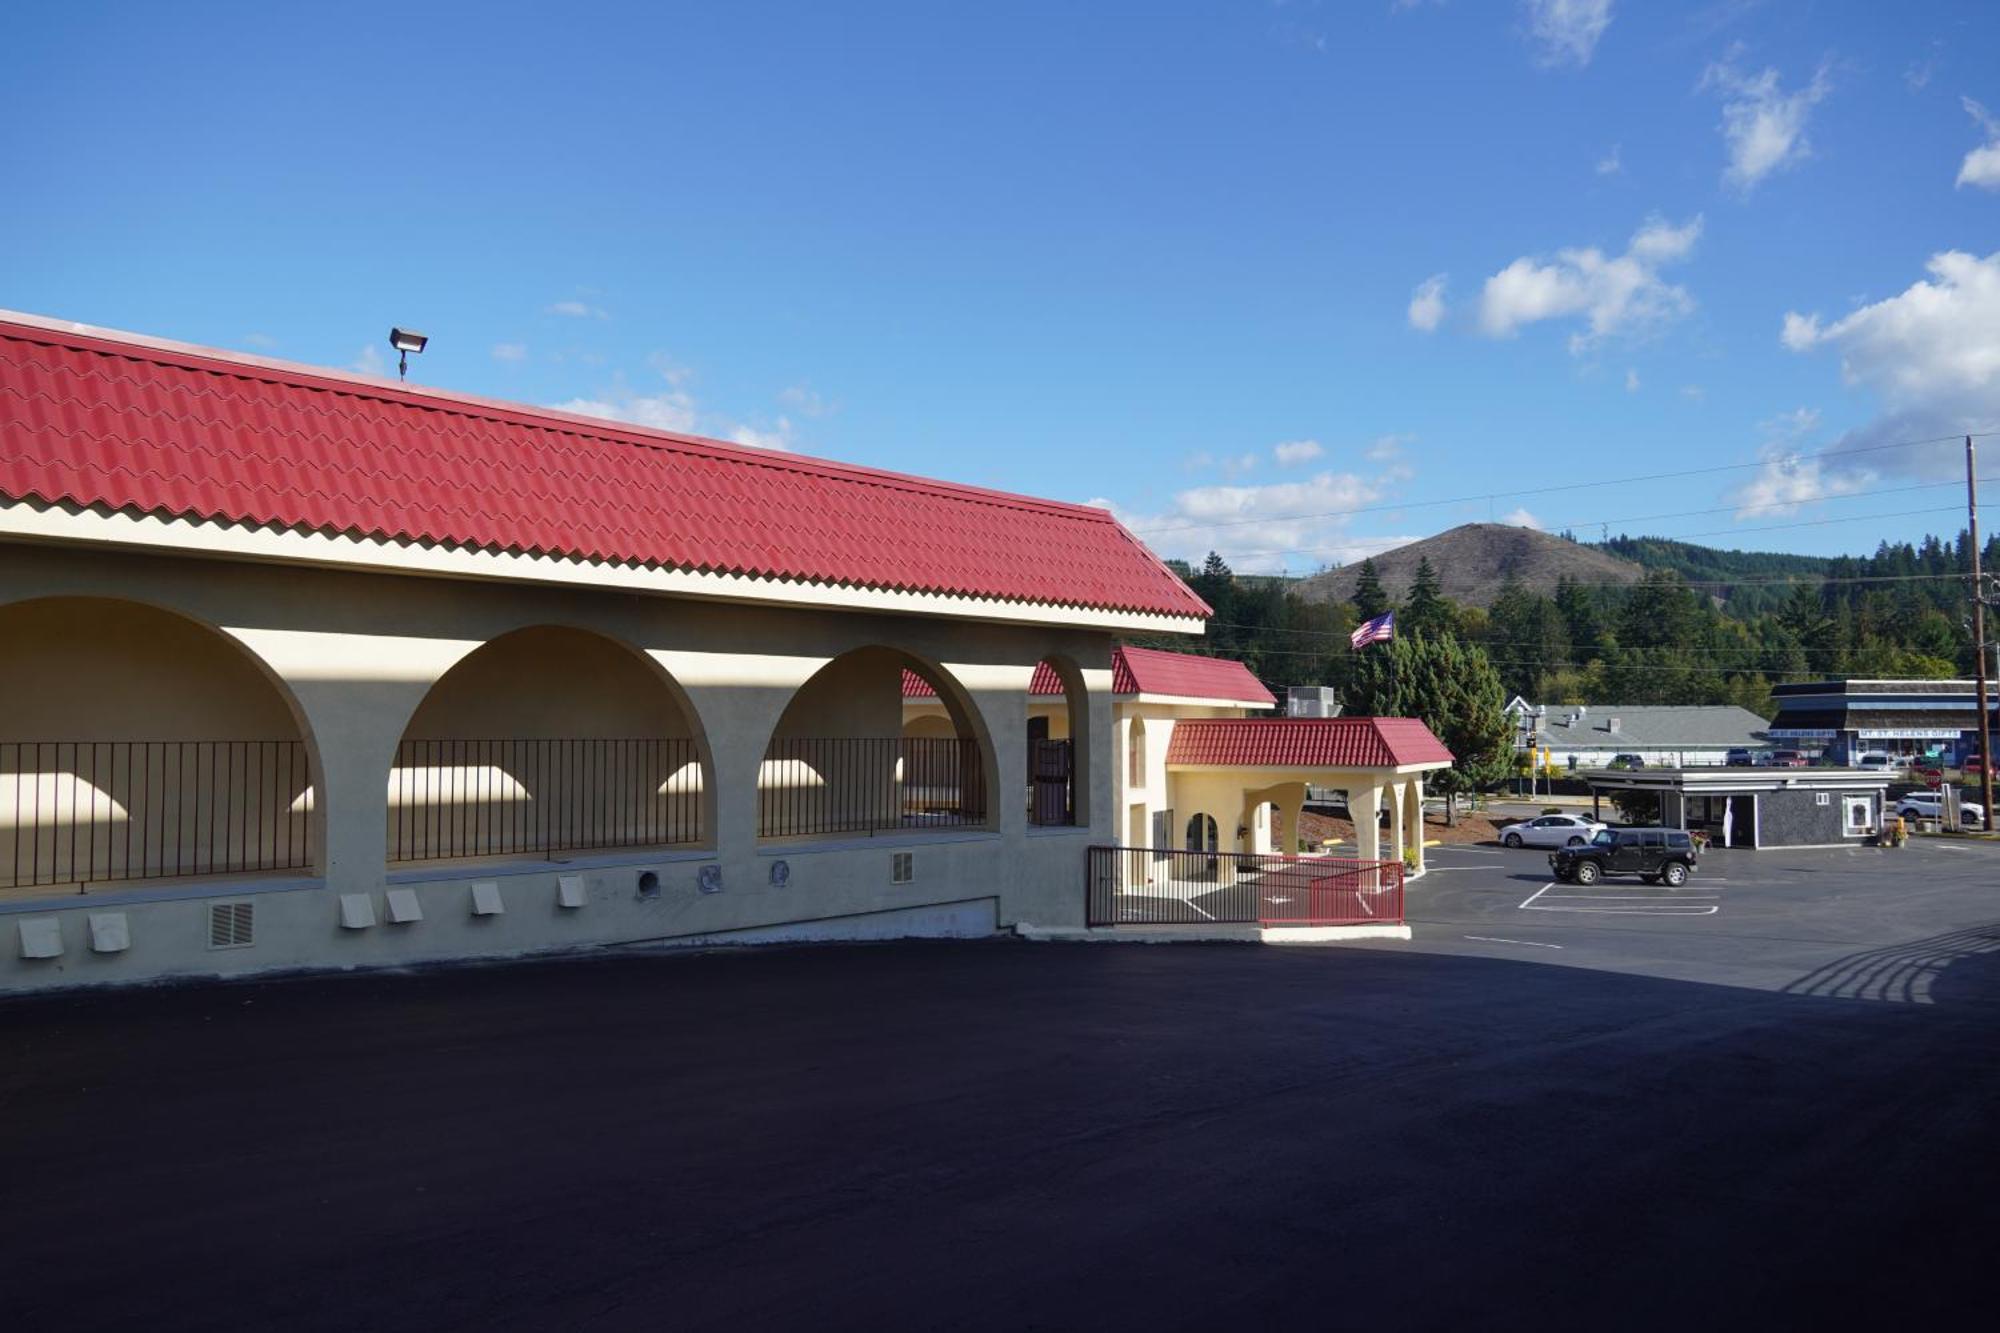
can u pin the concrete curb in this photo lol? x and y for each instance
(1208, 934)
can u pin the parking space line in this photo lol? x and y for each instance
(1495, 939)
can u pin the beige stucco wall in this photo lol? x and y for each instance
(358, 653)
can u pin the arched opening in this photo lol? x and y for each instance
(548, 739)
(1202, 836)
(139, 744)
(1058, 720)
(876, 741)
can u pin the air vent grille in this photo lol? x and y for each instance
(902, 867)
(232, 925)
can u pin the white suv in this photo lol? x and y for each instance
(1930, 805)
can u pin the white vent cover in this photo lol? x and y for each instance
(232, 925)
(403, 906)
(41, 937)
(486, 900)
(357, 911)
(109, 932)
(902, 867)
(570, 891)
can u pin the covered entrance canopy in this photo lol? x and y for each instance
(1230, 768)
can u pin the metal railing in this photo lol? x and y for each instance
(868, 784)
(1147, 886)
(460, 798)
(87, 812)
(1051, 782)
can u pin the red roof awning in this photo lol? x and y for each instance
(116, 422)
(1305, 742)
(1147, 671)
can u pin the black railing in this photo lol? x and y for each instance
(459, 798)
(868, 784)
(1145, 886)
(1051, 782)
(83, 812)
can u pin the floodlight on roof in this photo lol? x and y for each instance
(405, 341)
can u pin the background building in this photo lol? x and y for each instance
(1674, 736)
(1907, 718)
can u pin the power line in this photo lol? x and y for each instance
(1675, 475)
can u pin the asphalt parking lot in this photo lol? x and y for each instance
(1776, 1114)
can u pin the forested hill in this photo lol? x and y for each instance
(1671, 638)
(1741, 578)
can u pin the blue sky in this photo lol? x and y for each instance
(1177, 257)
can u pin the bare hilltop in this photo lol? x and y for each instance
(1474, 561)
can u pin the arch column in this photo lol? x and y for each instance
(1364, 806)
(357, 692)
(1413, 793)
(1396, 840)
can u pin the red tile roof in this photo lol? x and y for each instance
(1154, 671)
(116, 422)
(1305, 742)
(1146, 671)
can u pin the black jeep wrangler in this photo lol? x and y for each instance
(1653, 854)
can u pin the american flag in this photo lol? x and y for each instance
(1381, 628)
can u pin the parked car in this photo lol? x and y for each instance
(1789, 759)
(1656, 855)
(1930, 805)
(1974, 766)
(1740, 757)
(1876, 762)
(1551, 831)
(1628, 761)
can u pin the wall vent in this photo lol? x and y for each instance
(232, 925)
(902, 867)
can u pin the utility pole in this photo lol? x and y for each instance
(1979, 634)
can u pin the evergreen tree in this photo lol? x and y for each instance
(1426, 612)
(1454, 689)
(1370, 600)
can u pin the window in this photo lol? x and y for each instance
(1653, 839)
(1860, 812)
(1679, 840)
(1824, 798)
(1163, 834)
(1628, 840)
(1135, 756)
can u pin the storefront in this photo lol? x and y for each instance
(1907, 719)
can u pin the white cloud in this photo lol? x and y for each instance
(1930, 355)
(1694, 393)
(1296, 451)
(1386, 448)
(1763, 126)
(262, 341)
(670, 411)
(1937, 344)
(1427, 304)
(801, 398)
(779, 436)
(1521, 518)
(576, 310)
(369, 361)
(1614, 295)
(1612, 162)
(1982, 165)
(1566, 31)
(510, 351)
(1303, 523)
(1631, 381)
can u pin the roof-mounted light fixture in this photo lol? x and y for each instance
(405, 341)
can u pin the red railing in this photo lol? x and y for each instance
(1132, 886)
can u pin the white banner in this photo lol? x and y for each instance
(1803, 734)
(1910, 734)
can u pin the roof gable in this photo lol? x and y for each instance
(1306, 742)
(118, 423)
(1146, 671)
